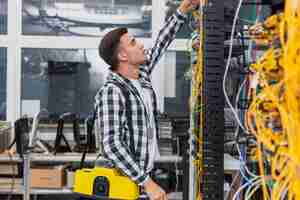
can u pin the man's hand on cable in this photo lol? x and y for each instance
(154, 191)
(188, 5)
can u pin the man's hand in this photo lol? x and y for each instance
(188, 5)
(154, 191)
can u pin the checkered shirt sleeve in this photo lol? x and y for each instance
(165, 36)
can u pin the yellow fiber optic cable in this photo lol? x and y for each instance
(279, 103)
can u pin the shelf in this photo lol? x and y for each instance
(37, 191)
(51, 191)
(71, 157)
(40, 191)
(230, 163)
(9, 191)
(89, 158)
(4, 158)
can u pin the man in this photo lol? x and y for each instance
(128, 120)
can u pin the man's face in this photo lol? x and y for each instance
(131, 50)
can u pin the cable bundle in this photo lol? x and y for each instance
(196, 100)
(274, 114)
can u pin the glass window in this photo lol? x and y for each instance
(60, 80)
(3, 16)
(3, 68)
(178, 105)
(86, 18)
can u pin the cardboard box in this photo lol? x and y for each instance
(48, 177)
(5, 136)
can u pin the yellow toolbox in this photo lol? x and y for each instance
(108, 183)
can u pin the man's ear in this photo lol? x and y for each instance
(122, 56)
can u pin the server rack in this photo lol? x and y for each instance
(212, 186)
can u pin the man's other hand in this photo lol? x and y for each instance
(188, 5)
(154, 191)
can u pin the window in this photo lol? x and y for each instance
(3, 68)
(3, 16)
(179, 63)
(67, 18)
(61, 80)
(86, 18)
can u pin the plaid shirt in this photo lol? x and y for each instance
(116, 126)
